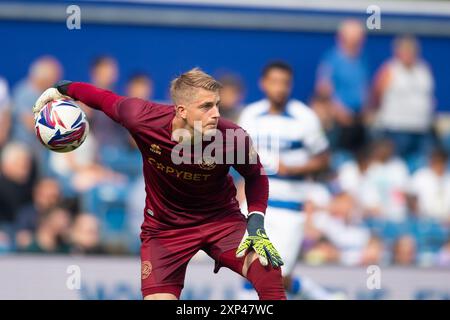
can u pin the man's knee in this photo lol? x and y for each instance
(160, 296)
(267, 281)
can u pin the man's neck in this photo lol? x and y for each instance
(349, 52)
(179, 124)
(438, 172)
(276, 108)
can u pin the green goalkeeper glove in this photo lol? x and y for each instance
(258, 240)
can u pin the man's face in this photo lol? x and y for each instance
(383, 151)
(230, 97)
(203, 107)
(142, 89)
(105, 75)
(277, 86)
(351, 37)
(47, 194)
(53, 74)
(86, 231)
(50, 71)
(438, 165)
(407, 53)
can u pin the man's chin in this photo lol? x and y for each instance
(210, 130)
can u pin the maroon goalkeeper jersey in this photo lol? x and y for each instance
(187, 193)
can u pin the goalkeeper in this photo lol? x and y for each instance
(191, 205)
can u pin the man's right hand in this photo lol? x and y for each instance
(259, 242)
(49, 95)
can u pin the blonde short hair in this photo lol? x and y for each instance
(181, 88)
(408, 40)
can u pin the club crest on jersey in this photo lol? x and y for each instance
(207, 163)
(146, 269)
(155, 148)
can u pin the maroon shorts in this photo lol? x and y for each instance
(165, 254)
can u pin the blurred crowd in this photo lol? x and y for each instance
(385, 198)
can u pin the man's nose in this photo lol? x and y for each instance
(215, 112)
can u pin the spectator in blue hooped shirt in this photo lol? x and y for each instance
(343, 74)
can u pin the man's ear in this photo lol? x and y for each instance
(181, 111)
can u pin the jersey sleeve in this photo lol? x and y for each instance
(244, 119)
(315, 139)
(129, 112)
(248, 164)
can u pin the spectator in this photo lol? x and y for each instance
(15, 181)
(427, 233)
(442, 130)
(135, 211)
(85, 235)
(323, 106)
(231, 97)
(5, 242)
(140, 86)
(46, 195)
(104, 72)
(373, 253)
(405, 251)
(337, 226)
(443, 258)
(351, 174)
(317, 248)
(383, 190)
(343, 74)
(43, 73)
(431, 186)
(403, 93)
(323, 252)
(5, 120)
(110, 136)
(83, 169)
(80, 170)
(51, 233)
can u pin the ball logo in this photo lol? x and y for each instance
(146, 269)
